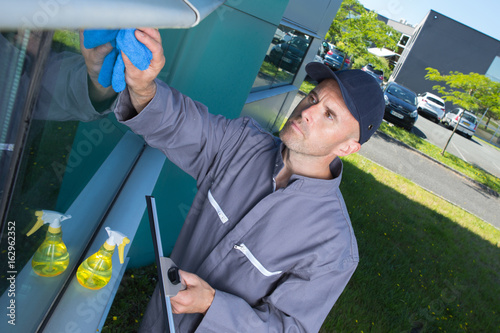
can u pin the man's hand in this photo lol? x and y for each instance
(93, 60)
(196, 298)
(140, 84)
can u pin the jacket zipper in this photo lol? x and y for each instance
(217, 208)
(241, 247)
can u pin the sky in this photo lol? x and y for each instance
(481, 15)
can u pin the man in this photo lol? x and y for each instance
(267, 244)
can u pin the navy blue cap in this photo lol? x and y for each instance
(361, 93)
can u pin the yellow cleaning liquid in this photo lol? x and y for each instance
(52, 257)
(95, 271)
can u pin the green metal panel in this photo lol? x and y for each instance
(265, 110)
(214, 63)
(92, 144)
(271, 11)
(174, 193)
(217, 61)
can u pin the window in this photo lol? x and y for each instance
(470, 118)
(435, 101)
(58, 141)
(493, 71)
(283, 58)
(404, 40)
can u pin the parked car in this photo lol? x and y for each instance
(335, 59)
(289, 55)
(322, 50)
(400, 105)
(432, 106)
(468, 123)
(376, 73)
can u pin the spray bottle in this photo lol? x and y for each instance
(95, 271)
(51, 258)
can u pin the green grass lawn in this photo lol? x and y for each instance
(425, 264)
(491, 129)
(307, 86)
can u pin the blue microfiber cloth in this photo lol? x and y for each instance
(113, 68)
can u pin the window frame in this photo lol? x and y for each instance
(43, 298)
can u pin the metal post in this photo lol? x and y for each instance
(498, 128)
(454, 130)
(483, 116)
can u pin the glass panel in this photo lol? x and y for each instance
(435, 101)
(283, 58)
(72, 132)
(12, 67)
(403, 94)
(470, 118)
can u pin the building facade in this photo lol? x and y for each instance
(63, 151)
(446, 45)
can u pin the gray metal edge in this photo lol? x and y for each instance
(75, 14)
(263, 94)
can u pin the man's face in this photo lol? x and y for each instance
(321, 124)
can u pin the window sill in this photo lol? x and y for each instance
(83, 308)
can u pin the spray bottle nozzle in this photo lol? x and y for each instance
(117, 238)
(50, 217)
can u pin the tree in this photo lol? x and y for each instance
(355, 29)
(473, 92)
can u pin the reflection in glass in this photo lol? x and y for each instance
(13, 73)
(68, 135)
(283, 58)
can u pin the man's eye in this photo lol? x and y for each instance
(313, 99)
(329, 115)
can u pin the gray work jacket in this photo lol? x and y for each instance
(278, 259)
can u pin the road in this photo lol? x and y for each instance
(434, 177)
(473, 151)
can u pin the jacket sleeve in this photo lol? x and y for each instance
(64, 92)
(181, 128)
(297, 304)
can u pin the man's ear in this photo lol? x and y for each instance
(351, 146)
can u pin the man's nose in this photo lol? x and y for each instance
(310, 113)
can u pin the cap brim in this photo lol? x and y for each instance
(319, 72)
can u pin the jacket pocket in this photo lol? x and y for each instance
(242, 247)
(217, 208)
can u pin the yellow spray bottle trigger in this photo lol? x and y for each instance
(52, 257)
(116, 238)
(50, 217)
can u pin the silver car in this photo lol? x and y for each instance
(468, 123)
(432, 106)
